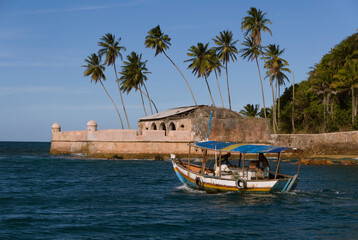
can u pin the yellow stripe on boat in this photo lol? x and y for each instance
(212, 186)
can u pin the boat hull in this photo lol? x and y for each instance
(214, 184)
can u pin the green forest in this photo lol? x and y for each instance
(327, 100)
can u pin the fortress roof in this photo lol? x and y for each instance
(192, 112)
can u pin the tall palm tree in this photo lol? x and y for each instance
(275, 67)
(159, 41)
(280, 80)
(112, 50)
(200, 62)
(226, 51)
(251, 51)
(95, 69)
(254, 24)
(348, 80)
(215, 65)
(133, 75)
(250, 110)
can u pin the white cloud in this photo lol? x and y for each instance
(18, 34)
(57, 107)
(21, 63)
(21, 90)
(84, 8)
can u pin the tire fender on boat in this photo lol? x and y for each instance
(199, 182)
(241, 183)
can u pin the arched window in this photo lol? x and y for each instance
(182, 126)
(153, 127)
(172, 127)
(162, 127)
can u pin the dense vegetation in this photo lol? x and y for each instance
(327, 100)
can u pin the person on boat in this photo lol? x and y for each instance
(225, 159)
(265, 164)
(225, 164)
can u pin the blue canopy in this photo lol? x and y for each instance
(240, 147)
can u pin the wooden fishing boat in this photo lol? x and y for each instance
(249, 175)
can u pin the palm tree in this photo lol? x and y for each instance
(215, 65)
(275, 67)
(200, 62)
(159, 41)
(280, 80)
(226, 51)
(254, 24)
(95, 69)
(133, 75)
(250, 110)
(251, 51)
(348, 80)
(112, 50)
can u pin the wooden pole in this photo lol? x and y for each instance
(219, 164)
(299, 163)
(293, 103)
(278, 165)
(243, 164)
(189, 159)
(240, 160)
(204, 161)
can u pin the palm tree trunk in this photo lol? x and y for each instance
(262, 87)
(227, 83)
(207, 84)
(119, 115)
(150, 105)
(182, 76)
(293, 103)
(324, 113)
(273, 107)
(353, 107)
(217, 80)
(278, 107)
(120, 92)
(156, 109)
(141, 95)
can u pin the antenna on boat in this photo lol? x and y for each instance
(211, 117)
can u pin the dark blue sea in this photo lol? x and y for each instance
(65, 197)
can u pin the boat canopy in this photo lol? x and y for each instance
(240, 147)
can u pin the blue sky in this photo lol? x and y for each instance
(43, 45)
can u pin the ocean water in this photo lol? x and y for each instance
(65, 197)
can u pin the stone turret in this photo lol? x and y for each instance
(56, 127)
(91, 126)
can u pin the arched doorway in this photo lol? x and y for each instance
(172, 127)
(162, 127)
(153, 126)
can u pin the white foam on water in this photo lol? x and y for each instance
(186, 188)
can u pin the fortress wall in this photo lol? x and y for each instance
(69, 136)
(69, 142)
(113, 135)
(247, 130)
(340, 143)
(120, 143)
(136, 150)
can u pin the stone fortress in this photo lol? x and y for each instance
(170, 132)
